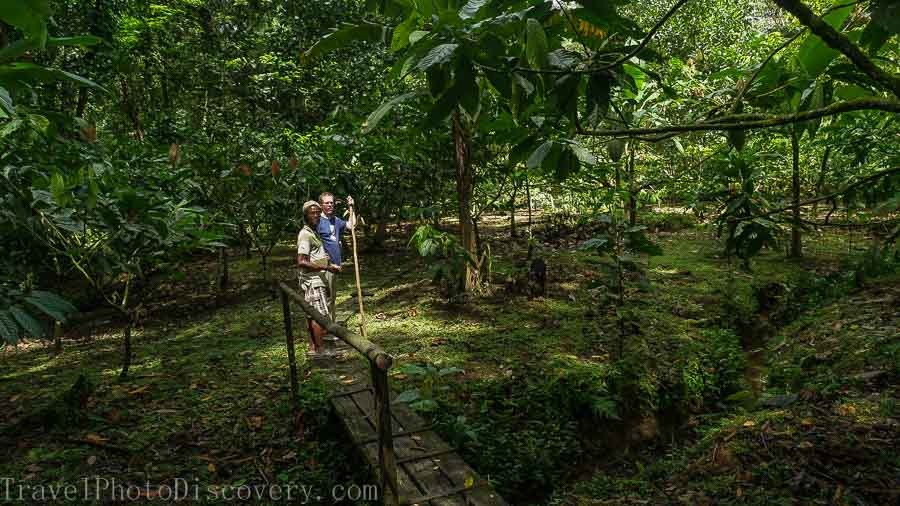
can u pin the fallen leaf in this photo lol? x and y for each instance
(92, 460)
(139, 390)
(749, 423)
(469, 482)
(255, 422)
(246, 353)
(15, 398)
(807, 422)
(805, 445)
(95, 438)
(211, 467)
(33, 468)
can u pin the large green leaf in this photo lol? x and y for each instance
(470, 10)
(438, 55)
(30, 16)
(400, 38)
(887, 14)
(468, 91)
(535, 44)
(383, 109)
(27, 322)
(48, 309)
(9, 330)
(814, 55)
(17, 74)
(367, 32)
(540, 154)
(22, 46)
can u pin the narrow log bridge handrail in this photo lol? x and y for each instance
(379, 361)
(370, 350)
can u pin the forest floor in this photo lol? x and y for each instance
(775, 386)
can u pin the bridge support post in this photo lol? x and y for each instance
(387, 461)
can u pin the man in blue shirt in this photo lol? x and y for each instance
(330, 229)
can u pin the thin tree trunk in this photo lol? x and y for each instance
(57, 338)
(126, 358)
(512, 213)
(528, 198)
(223, 268)
(82, 102)
(821, 179)
(131, 110)
(796, 244)
(632, 190)
(464, 187)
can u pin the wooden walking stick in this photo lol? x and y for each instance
(362, 313)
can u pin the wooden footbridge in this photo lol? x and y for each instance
(413, 465)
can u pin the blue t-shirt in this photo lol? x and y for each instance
(330, 230)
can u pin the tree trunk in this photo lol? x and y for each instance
(820, 181)
(57, 338)
(381, 231)
(528, 198)
(126, 358)
(223, 268)
(131, 110)
(796, 245)
(512, 213)
(464, 187)
(632, 190)
(82, 102)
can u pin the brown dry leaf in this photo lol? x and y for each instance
(739, 492)
(246, 353)
(15, 398)
(92, 460)
(289, 456)
(33, 468)
(749, 423)
(838, 493)
(140, 390)
(348, 381)
(255, 422)
(95, 438)
(805, 445)
(211, 467)
(847, 410)
(807, 422)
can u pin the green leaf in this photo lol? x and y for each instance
(874, 36)
(55, 300)
(416, 36)
(379, 113)
(400, 39)
(443, 106)
(9, 331)
(30, 16)
(468, 91)
(438, 55)
(48, 310)
(28, 323)
(584, 156)
(678, 145)
(470, 10)
(10, 127)
(367, 32)
(26, 73)
(537, 158)
(535, 44)
(408, 396)
(6, 103)
(814, 55)
(638, 75)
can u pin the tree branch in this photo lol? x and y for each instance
(643, 44)
(866, 180)
(754, 121)
(840, 42)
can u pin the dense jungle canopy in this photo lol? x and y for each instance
(620, 252)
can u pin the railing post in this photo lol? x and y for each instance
(387, 462)
(292, 359)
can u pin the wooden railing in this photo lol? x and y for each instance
(379, 363)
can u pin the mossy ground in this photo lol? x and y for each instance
(550, 404)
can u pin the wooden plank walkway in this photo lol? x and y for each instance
(429, 471)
